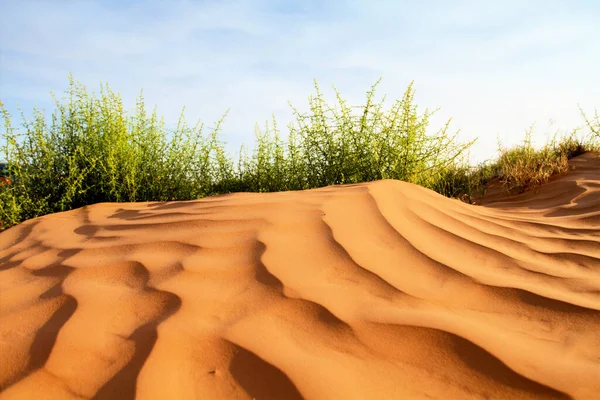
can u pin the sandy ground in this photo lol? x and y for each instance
(382, 290)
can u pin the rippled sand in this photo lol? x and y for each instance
(382, 290)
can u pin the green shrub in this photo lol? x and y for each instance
(332, 145)
(593, 124)
(91, 150)
(524, 167)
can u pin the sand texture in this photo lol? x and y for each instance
(382, 290)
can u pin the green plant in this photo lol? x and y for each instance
(92, 150)
(333, 145)
(524, 167)
(593, 124)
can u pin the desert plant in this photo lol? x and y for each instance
(334, 145)
(92, 150)
(593, 124)
(523, 167)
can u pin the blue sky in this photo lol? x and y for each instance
(494, 67)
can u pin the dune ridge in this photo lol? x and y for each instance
(375, 290)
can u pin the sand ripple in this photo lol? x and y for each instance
(378, 290)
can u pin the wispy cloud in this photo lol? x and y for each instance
(495, 67)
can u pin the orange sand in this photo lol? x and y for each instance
(373, 291)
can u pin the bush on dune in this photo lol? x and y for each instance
(524, 167)
(332, 145)
(91, 150)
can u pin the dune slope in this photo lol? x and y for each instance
(378, 290)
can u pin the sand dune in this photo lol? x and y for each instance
(382, 290)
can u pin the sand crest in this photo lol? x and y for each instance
(382, 290)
